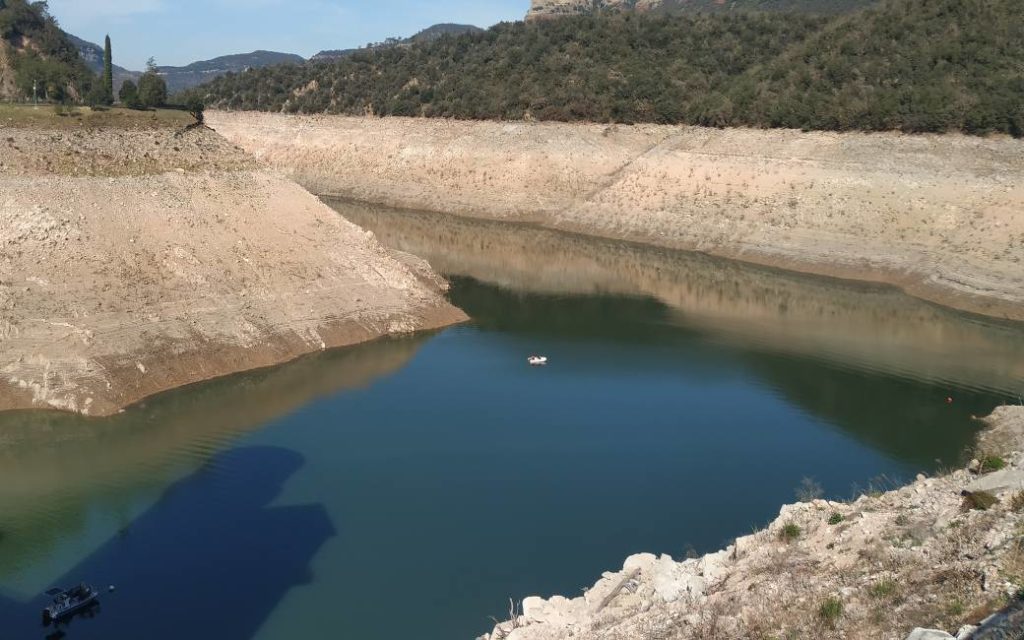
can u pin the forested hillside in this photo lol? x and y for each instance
(35, 52)
(913, 65)
(919, 65)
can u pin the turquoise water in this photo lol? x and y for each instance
(409, 487)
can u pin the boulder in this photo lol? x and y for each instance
(929, 634)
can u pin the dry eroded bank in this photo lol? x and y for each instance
(936, 215)
(137, 260)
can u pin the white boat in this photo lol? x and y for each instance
(537, 361)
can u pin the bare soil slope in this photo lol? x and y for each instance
(935, 215)
(136, 260)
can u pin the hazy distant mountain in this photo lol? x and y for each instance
(181, 78)
(428, 34)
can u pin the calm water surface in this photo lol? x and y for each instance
(409, 487)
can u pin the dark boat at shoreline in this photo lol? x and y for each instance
(69, 602)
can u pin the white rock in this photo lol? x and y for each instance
(673, 580)
(929, 634)
(965, 631)
(713, 565)
(642, 561)
(558, 611)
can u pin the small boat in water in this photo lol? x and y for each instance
(537, 361)
(69, 602)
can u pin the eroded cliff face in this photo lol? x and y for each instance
(135, 261)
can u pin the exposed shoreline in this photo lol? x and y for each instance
(138, 260)
(913, 557)
(932, 215)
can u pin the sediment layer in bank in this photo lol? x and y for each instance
(136, 260)
(935, 215)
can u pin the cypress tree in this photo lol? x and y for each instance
(108, 72)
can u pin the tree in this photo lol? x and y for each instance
(108, 72)
(152, 88)
(129, 95)
(196, 107)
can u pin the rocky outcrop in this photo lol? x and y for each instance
(874, 568)
(556, 8)
(540, 9)
(934, 215)
(135, 261)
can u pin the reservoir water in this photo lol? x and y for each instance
(409, 487)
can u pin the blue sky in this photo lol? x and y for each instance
(177, 32)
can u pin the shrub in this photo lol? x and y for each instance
(835, 518)
(979, 500)
(830, 611)
(883, 588)
(790, 532)
(152, 90)
(991, 463)
(1017, 501)
(196, 108)
(955, 609)
(129, 95)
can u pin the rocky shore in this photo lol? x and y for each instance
(934, 215)
(138, 259)
(941, 554)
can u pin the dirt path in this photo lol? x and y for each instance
(935, 215)
(135, 261)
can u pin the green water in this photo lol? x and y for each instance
(409, 487)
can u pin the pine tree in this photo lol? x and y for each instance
(108, 72)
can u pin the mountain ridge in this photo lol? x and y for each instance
(179, 78)
(429, 34)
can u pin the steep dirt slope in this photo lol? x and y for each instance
(128, 268)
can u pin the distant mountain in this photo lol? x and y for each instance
(556, 8)
(427, 35)
(181, 78)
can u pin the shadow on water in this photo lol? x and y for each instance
(57, 470)
(211, 557)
